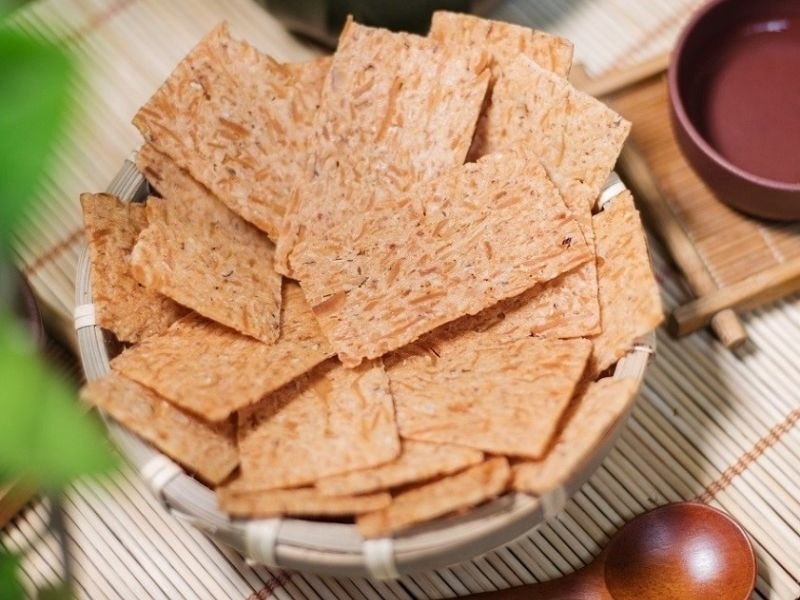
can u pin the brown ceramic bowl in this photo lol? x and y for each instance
(734, 90)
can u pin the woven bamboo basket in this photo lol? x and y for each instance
(325, 547)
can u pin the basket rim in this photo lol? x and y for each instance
(324, 547)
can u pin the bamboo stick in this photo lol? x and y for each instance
(725, 323)
(768, 285)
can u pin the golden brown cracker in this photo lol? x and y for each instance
(294, 502)
(630, 300)
(455, 245)
(396, 109)
(207, 449)
(201, 254)
(326, 422)
(417, 461)
(502, 397)
(122, 305)
(239, 121)
(502, 41)
(443, 496)
(593, 413)
(211, 370)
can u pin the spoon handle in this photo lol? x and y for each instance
(585, 584)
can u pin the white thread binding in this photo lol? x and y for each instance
(611, 192)
(553, 502)
(158, 472)
(379, 557)
(84, 316)
(261, 541)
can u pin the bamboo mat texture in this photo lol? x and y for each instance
(709, 424)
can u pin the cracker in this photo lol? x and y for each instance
(593, 413)
(122, 305)
(396, 109)
(294, 502)
(211, 370)
(503, 41)
(577, 137)
(207, 449)
(239, 121)
(630, 301)
(201, 254)
(417, 461)
(446, 495)
(451, 247)
(472, 390)
(329, 421)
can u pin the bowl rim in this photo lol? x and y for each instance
(326, 547)
(677, 104)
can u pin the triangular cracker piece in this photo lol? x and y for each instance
(465, 489)
(200, 253)
(502, 41)
(304, 502)
(122, 305)
(630, 301)
(452, 246)
(417, 461)
(597, 409)
(475, 391)
(239, 121)
(329, 421)
(212, 370)
(396, 109)
(209, 450)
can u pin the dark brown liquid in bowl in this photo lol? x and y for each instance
(746, 100)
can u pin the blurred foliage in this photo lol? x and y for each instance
(45, 437)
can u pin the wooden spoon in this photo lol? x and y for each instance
(680, 551)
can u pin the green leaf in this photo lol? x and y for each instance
(10, 587)
(44, 434)
(60, 592)
(34, 106)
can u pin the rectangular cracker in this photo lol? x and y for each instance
(502, 397)
(122, 306)
(502, 41)
(462, 490)
(453, 246)
(239, 121)
(207, 449)
(396, 109)
(328, 421)
(630, 300)
(203, 255)
(294, 502)
(589, 418)
(417, 461)
(211, 370)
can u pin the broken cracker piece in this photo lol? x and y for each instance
(328, 421)
(211, 370)
(122, 305)
(204, 256)
(428, 501)
(207, 449)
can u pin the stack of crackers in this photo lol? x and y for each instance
(374, 286)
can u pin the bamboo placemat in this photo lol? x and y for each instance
(709, 424)
(750, 261)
